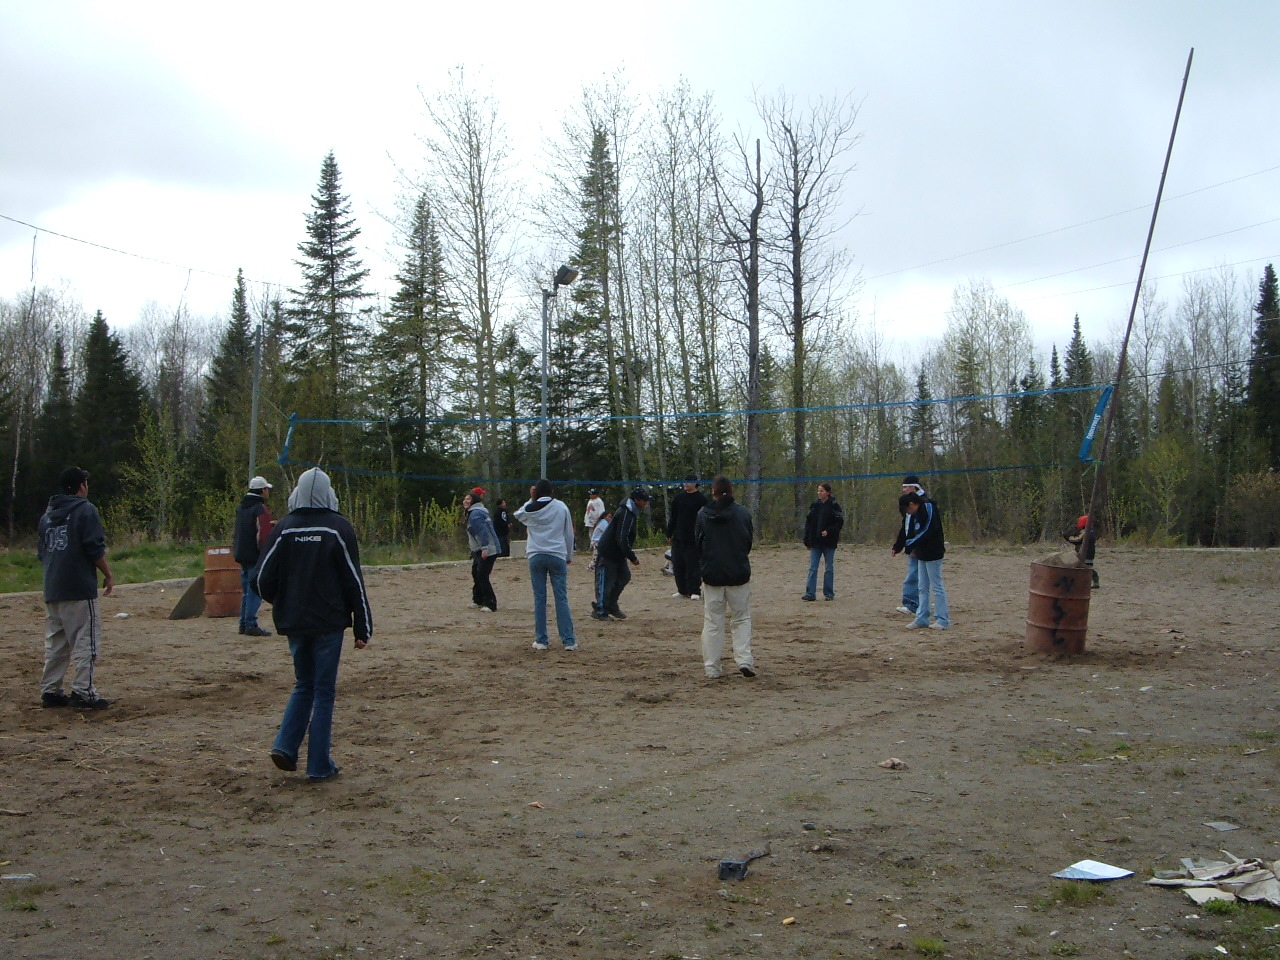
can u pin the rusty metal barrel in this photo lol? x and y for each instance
(1058, 609)
(221, 583)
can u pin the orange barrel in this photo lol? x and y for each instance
(1058, 610)
(221, 583)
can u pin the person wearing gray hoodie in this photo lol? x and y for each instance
(550, 551)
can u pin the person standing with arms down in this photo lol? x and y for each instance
(253, 526)
(822, 536)
(910, 585)
(925, 541)
(483, 543)
(724, 534)
(71, 546)
(685, 563)
(595, 510)
(310, 572)
(617, 549)
(550, 551)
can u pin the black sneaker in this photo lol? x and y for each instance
(808, 597)
(748, 671)
(255, 631)
(616, 614)
(283, 761)
(597, 615)
(87, 703)
(57, 699)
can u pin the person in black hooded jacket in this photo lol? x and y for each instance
(310, 573)
(724, 534)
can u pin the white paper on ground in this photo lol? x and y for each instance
(1092, 870)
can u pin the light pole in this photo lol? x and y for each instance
(564, 276)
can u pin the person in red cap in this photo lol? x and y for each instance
(483, 541)
(1076, 539)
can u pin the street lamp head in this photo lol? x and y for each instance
(566, 275)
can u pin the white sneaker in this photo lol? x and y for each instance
(914, 626)
(938, 626)
(905, 610)
(539, 646)
(695, 596)
(676, 596)
(474, 606)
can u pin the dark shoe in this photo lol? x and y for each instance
(832, 597)
(336, 770)
(748, 671)
(616, 614)
(255, 631)
(58, 699)
(242, 628)
(283, 761)
(808, 597)
(597, 615)
(1096, 583)
(87, 703)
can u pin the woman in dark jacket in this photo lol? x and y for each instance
(723, 532)
(927, 544)
(822, 536)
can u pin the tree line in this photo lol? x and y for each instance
(712, 328)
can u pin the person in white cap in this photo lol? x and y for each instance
(253, 525)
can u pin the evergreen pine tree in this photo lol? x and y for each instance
(224, 428)
(108, 407)
(922, 428)
(1264, 366)
(323, 313)
(53, 434)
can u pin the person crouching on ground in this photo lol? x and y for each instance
(310, 572)
(482, 539)
(724, 533)
(550, 551)
(925, 542)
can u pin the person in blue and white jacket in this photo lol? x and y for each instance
(310, 573)
(482, 540)
(926, 543)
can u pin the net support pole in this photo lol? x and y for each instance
(1085, 550)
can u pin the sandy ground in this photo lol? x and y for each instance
(499, 802)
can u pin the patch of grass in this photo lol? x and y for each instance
(417, 886)
(1073, 893)
(1247, 931)
(1266, 736)
(1065, 949)
(1024, 930)
(929, 946)
(1178, 772)
(142, 563)
(1223, 908)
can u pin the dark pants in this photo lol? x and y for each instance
(482, 594)
(686, 565)
(616, 577)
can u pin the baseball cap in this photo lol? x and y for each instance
(477, 491)
(640, 493)
(259, 483)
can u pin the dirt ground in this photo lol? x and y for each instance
(496, 801)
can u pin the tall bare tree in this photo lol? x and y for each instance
(810, 150)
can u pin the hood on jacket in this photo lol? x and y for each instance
(61, 506)
(313, 490)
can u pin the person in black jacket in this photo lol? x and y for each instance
(617, 549)
(310, 572)
(684, 548)
(724, 534)
(822, 536)
(253, 526)
(926, 542)
(70, 545)
(502, 527)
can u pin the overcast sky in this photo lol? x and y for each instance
(193, 134)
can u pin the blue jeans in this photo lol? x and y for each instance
(911, 585)
(931, 583)
(829, 575)
(309, 712)
(544, 566)
(249, 599)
